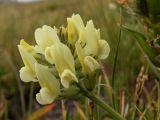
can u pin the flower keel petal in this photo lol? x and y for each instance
(67, 78)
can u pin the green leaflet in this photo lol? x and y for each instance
(141, 39)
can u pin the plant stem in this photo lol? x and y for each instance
(101, 103)
(31, 98)
(98, 93)
(15, 71)
(115, 63)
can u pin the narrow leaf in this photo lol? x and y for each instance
(141, 39)
(41, 112)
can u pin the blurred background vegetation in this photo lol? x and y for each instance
(19, 20)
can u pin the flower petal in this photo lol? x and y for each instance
(27, 58)
(72, 31)
(104, 49)
(46, 36)
(80, 53)
(48, 55)
(61, 56)
(38, 49)
(78, 20)
(47, 80)
(27, 75)
(89, 37)
(29, 48)
(75, 23)
(67, 78)
(90, 64)
(44, 97)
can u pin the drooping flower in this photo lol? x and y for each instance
(46, 37)
(91, 42)
(74, 25)
(50, 86)
(61, 56)
(27, 73)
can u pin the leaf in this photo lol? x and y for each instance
(80, 112)
(141, 39)
(41, 112)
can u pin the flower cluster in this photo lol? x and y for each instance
(57, 63)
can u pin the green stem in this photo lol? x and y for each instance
(114, 70)
(15, 71)
(101, 103)
(31, 98)
(98, 93)
(114, 65)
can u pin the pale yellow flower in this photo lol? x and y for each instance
(61, 56)
(89, 64)
(45, 37)
(50, 86)
(91, 42)
(27, 73)
(74, 24)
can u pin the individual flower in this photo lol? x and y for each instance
(46, 37)
(91, 42)
(61, 56)
(91, 48)
(74, 25)
(89, 64)
(50, 86)
(27, 73)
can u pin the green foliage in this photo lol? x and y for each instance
(142, 40)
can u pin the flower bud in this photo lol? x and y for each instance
(75, 24)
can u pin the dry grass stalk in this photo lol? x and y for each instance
(142, 77)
